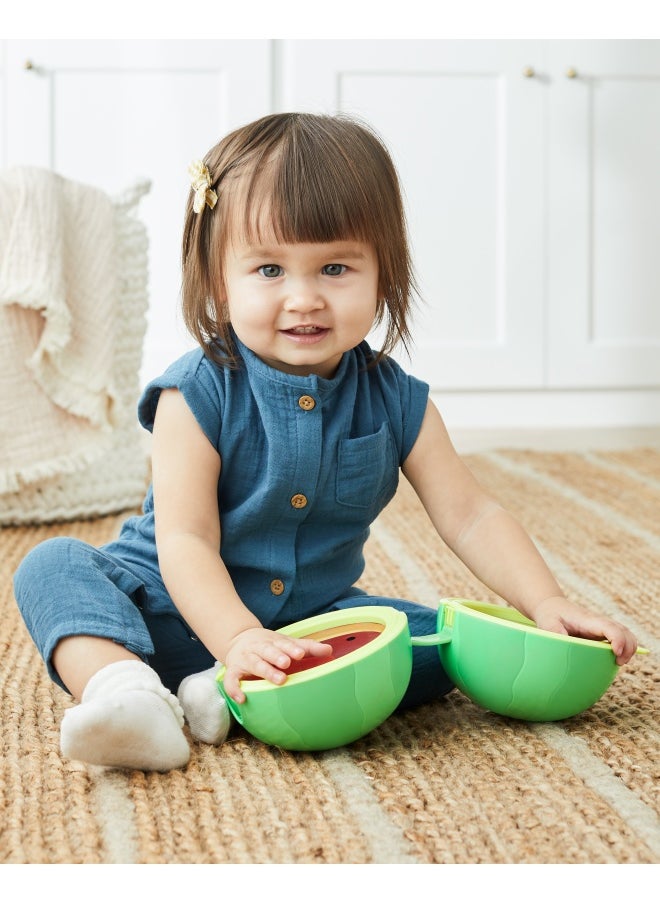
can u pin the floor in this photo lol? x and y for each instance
(467, 441)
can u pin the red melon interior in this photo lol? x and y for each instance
(351, 638)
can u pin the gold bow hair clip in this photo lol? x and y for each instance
(201, 185)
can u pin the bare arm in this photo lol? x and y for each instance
(186, 470)
(491, 542)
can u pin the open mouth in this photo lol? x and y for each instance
(306, 334)
(305, 330)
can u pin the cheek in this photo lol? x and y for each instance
(239, 303)
(249, 312)
(372, 311)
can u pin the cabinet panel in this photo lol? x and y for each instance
(465, 127)
(604, 214)
(453, 221)
(110, 112)
(533, 192)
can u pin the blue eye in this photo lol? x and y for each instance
(334, 269)
(271, 271)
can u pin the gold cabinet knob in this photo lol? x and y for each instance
(571, 72)
(28, 64)
(529, 72)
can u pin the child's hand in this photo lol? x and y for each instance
(260, 652)
(563, 617)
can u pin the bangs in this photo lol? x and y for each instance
(292, 199)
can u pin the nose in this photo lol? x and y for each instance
(303, 297)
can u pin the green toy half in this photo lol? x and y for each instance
(326, 703)
(504, 663)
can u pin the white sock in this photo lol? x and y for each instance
(204, 707)
(127, 719)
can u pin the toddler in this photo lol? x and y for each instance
(276, 443)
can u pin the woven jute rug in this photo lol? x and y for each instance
(447, 783)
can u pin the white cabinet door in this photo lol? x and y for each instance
(604, 214)
(110, 112)
(464, 122)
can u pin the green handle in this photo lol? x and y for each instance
(432, 640)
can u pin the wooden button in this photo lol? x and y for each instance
(277, 587)
(299, 500)
(306, 402)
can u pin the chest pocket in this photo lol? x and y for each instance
(367, 471)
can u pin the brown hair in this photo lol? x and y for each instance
(308, 178)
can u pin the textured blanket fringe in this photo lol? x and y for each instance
(127, 200)
(50, 366)
(65, 389)
(53, 373)
(13, 481)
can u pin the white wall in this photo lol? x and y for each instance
(108, 112)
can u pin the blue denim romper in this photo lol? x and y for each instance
(307, 465)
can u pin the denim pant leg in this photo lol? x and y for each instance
(177, 652)
(65, 587)
(429, 680)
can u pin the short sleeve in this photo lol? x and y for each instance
(407, 399)
(414, 395)
(202, 384)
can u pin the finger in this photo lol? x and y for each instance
(259, 668)
(302, 647)
(267, 662)
(278, 654)
(232, 687)
(622, 641)
(298, 648)
(317, 648)
(626, 650)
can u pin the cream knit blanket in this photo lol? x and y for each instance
(58, 320)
